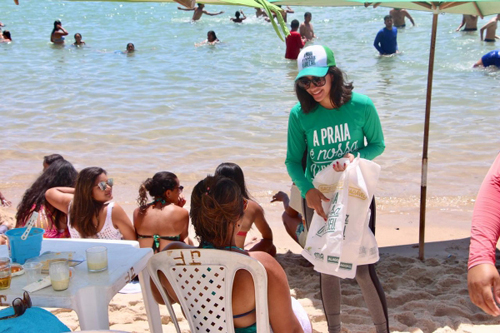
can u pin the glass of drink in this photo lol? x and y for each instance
(97, 258)
(5, 273)
(59, 274)
(33, 271)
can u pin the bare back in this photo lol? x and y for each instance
(170, 221)
(398, 16)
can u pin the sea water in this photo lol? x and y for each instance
(173, 106)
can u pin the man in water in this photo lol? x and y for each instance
(470, 22)
(198, 11)
(260, 12)
(306, 28)
(283, 13)
(386, 41)
(489, 59)
(398, 15)
(491, 29)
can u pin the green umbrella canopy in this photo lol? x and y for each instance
(317, 3)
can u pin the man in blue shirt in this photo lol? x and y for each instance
(386, 40)
(489, 59)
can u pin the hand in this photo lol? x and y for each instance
(480, 280)
(314, 198)
(338, 167)
(181, 202)
(5, 202)
(280, 196)
(221, 12)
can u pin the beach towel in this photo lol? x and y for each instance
(344, 241)
(34, 320)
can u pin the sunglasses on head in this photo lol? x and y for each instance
(20, 305)
(103, 185)
(318, 81)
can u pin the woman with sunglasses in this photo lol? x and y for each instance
(162, 220)
(91, 213)
(329, 122)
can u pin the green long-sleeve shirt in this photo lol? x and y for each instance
(329, 135)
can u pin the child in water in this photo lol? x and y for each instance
(211, 39)
(78, 40)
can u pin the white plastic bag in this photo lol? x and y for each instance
(345, 241)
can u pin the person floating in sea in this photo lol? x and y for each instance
(386, 41)
(78, 40)
(6, 38)
(199, 11)
(489, 59)
(211, 39)
(306, 28)
(238, 19)
(491, 29)
(398, 15)
(58, 33)
(130, 48)
(294, 42)
(470, 22)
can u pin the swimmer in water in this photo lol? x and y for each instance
(78, 40)
(238, 19)
(399, 15)
(470, 22)
(58, 33)
(199, 11)
(6, 37)
(130, 48)
(211, 39)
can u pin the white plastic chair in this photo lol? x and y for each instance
(203, 282)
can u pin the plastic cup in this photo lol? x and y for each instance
(5, 273)
(59, 274)
(97, 258)
(21, 250)
(33, 271)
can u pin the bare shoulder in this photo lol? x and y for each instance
(269, 263)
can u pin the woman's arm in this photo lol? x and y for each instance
(266, 244)
(281, 315)
(372, 130)
(60, 197)
(122, 222)
(485, 232)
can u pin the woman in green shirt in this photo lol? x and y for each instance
(329, 122)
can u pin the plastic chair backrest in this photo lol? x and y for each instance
(203, 282)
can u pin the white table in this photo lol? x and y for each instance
(89, 294)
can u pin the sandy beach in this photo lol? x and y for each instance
(428, 296)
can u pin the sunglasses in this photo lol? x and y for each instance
(180, 187)
(20, 306)
(102, 185)
(318, 81)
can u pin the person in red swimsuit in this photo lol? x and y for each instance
(294, 42)
(485, 232)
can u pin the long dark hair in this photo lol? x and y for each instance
(340, 92)
(234, 172)
(156, 187)
(56, 23)
(216, 204)
(84, 208)
(59, 173)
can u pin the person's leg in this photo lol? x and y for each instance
(330, 294)
(374, 296)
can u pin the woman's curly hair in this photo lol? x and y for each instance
(216, 206)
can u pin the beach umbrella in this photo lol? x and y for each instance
(480, 8)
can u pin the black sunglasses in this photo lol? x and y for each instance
(20, 306)
(318, 81)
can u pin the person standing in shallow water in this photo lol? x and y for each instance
(398, 15)
(237, 18)
(199, 11)
(470, 22)
(306, 28)
(386, 41)
(326, 101)
(58, 33)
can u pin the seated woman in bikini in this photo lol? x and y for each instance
(162, 220)
(254, 214)
(217, 206)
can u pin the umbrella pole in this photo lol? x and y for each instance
(423, 187)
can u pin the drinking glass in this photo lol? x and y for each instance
(33, 271)
(59, 274)
(97, 258)
(5, 273)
